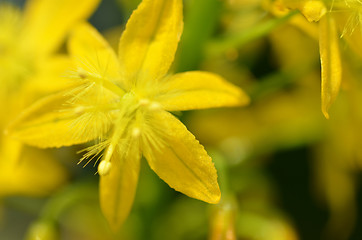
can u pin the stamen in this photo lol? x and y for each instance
(104, 167)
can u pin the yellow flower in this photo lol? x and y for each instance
(29, 68)
(124, 102)
(28, 44)
(28, 171)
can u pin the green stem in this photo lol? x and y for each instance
(67, 198)
(279, 80)
(222, 171)
(219, 46)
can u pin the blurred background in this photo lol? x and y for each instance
(285, 172)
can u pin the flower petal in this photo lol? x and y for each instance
(47, 22)
(92, 54)
(148, 45)
(28, 171)
(118, 187)
(330, 61)
(198, 90)
(10, 24)
(180, 160)
(51, 122)
(54, 68)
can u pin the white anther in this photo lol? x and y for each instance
(104, 167)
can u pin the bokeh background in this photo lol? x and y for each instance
(285, 171)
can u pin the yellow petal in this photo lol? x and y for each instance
(330, 61)
(118, 187)
(10, 152)
(28, 171)
(54, 68)
(198, 90)
(92, 54)
(47, 22)
(148, 45)
(52, 122)
(179, 159)
(10, 23)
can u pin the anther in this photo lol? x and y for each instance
(104, 167)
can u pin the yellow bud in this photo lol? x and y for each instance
(104, 167)
(313, 10)
(223, 220)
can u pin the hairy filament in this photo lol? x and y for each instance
(107, 84)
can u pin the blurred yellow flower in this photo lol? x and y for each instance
(124, 102)
(29, 68)
(326, 13)
(29, 64)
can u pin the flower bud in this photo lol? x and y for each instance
(313, 10)
(223, 221)
(42, 231)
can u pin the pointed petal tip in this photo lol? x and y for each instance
(215, 199)
(115, 224)
(212, 197)
(325, 109)
(326, 114)
(115, 227)
(244, 99)
(118, 187)
(201, 90)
